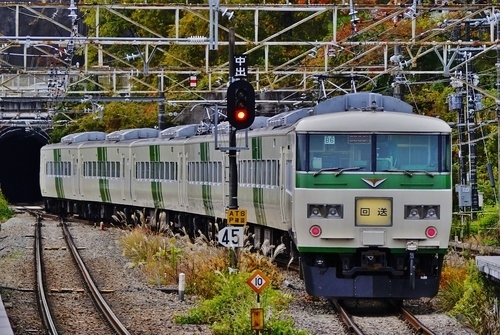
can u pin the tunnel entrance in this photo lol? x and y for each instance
(20, 163)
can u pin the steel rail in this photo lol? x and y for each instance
(94, 291)
(43, 304)
(348, 321)
(415, 323)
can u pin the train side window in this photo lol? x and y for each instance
(142, 172)
(445, 153)
(190, 171)
(219, 172)
(302, 153)
(251, 175)
(240, 172)
(168, 174)
(258, 173)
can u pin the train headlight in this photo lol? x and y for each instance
(431, 213)
(314, 211)
(325, 211)
(332, 211)
(422, 212)
(335, 212)
(413, 214)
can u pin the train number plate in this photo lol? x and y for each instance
(373, 211)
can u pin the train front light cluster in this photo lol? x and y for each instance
(421, 212)
(325, 211)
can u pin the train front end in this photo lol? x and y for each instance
(372, 204)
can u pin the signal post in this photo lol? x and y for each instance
(240, 113)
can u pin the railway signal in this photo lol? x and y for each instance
(240, 104)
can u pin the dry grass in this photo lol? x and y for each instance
(164, 255)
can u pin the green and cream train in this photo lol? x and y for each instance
(358, 185)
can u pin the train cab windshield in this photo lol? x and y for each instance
(341, 152)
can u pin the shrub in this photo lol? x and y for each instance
(226, 298)
(478, 303)
(228, 312)
(5, 211)
(451, 286)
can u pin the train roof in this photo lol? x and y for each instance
(334, 114)
(373, 121)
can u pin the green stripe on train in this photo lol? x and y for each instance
(346, 180)
(102, 157)
(206, 190)
(156, 191)
(58, 178)
(258, 192)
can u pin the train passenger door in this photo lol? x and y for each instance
(133, 183)
(286, 183)
(123, 177)
(182, 179)
(74, 176)
(80, 176)
(225, 177)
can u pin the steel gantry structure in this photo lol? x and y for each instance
(135, 79)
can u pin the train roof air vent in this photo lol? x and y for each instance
(288, 118)
(259, 122)
(224, 127)
(132, 134)
(180, 131)
(362, 101)
(84, 137)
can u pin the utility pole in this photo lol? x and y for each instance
(498, 97)
(233, 168)
(161, 111)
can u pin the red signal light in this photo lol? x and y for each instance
(241, 115)
(240, 104)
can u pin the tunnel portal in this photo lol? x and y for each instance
(20, 163)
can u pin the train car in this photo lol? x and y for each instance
(59, 168)
(373, 203)
(359, 186)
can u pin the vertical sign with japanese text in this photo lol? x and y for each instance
(240, 66)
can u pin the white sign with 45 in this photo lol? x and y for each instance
(231, 237)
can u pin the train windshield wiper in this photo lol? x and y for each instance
(406, 172)
(410, 172)
(353, 168)
(325, 169)
(424, 171)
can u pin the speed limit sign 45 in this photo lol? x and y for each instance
(231, 237)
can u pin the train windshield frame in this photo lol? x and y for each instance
(358, 152)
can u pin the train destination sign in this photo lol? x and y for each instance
(236, 216)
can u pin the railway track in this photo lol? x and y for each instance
(51, 309)
(363, 325)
